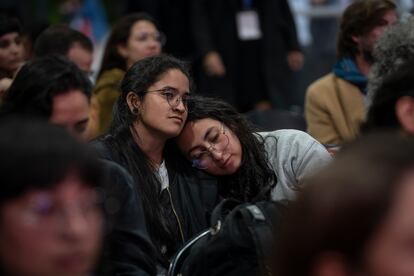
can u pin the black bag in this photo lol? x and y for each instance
(240, 242)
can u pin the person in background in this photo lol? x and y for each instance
(11, 50)
(51, 211)
(355, 216)
(67, 42)
(220, 141)
(334, 104)
(174, 19)
(247, 50)
(132, 38)
(53, 88)
(150, 111)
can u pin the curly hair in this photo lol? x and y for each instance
(392, 50)
(397, 84)
(255, 174)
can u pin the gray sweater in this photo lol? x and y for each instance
(293, 155)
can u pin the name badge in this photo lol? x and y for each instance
(248, 25)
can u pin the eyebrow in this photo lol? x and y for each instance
(204, 139)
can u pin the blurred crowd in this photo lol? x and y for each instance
(124, 124)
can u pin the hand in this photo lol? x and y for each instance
(295, 60)
(214, 65)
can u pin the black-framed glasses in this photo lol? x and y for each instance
(173, 97)
(218, 142)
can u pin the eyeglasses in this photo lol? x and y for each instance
(173, 97)
(48, 215)
(159, 37)
(218, 142)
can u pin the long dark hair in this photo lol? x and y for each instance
(124, 148)
(255, 173)
(119, 36)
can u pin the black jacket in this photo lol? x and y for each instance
(194, 195)
(215, 29)
(127, 246)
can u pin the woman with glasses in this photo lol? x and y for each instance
(133, 37)
(220, 141)
(151, 110)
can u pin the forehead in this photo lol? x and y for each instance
(69, 105)
(9, 36)
(174, 78)
(195, 131)
(143, 26)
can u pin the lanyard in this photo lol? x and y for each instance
(247, 4)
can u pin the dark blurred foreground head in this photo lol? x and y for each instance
(50, 214)
(356, 216)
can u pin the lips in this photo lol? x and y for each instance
(177, 118)
(225, 163)
(73, 262)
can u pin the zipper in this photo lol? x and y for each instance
(176, 216)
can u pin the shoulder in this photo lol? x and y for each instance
(291, 143)
(111, 77)
(286, 136)
(101, 148)
(324, 84)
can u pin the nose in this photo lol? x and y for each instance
(153, 43)
(74, 224)
(180, 107)
(14, 48)
(216, 155)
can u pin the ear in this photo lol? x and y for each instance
(122, 50)
(404, 110)
(133, 102)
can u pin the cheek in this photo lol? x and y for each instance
(25, 250)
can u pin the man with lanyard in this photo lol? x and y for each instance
(334, 105)
(248, 49)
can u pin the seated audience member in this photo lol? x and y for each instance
(335, 103)
(11, 50)
(355, 216)
(150, 111)
(54, 88)
(67, 42)
(132, 38)
(219, 140)
(392, 104)
(50, 208)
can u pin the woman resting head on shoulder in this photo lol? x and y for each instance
(219, 140)
(151, 110)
